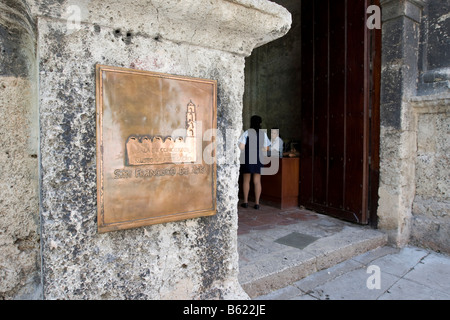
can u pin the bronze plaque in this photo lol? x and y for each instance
(155, 147)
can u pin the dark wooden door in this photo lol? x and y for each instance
(338, 95)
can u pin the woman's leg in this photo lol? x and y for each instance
(246, 185)
(257, 183)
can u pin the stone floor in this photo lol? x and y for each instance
(408, 273)
(279, 247)
(297, 254)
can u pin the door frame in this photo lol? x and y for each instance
(374, 108)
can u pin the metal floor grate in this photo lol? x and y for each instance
(296, 240)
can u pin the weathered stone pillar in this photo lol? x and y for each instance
(19, 197)
(191, 259)
(400, 43)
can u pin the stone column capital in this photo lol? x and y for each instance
(236, 26)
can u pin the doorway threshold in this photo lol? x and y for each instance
(279, 247)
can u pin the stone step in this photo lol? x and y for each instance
(274, 258)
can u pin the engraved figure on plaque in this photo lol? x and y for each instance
(142, 150)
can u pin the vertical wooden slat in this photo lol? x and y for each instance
(374, 148)
(366, 124)
(337, 103)
(320, 101)
(354, 162)
(307, 105)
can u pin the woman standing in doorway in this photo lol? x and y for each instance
(253, 142)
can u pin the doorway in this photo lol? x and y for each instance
(339, 145)
(320, 86)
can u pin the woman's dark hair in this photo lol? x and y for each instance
(255, 122)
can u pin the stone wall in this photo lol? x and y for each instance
(173, 260)
(19, 193)
(430, 225)
(413, 205)
(191, 259)
(269, 72)
(431, 206)
(434, 57)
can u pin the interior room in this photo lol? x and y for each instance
(319, 87)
